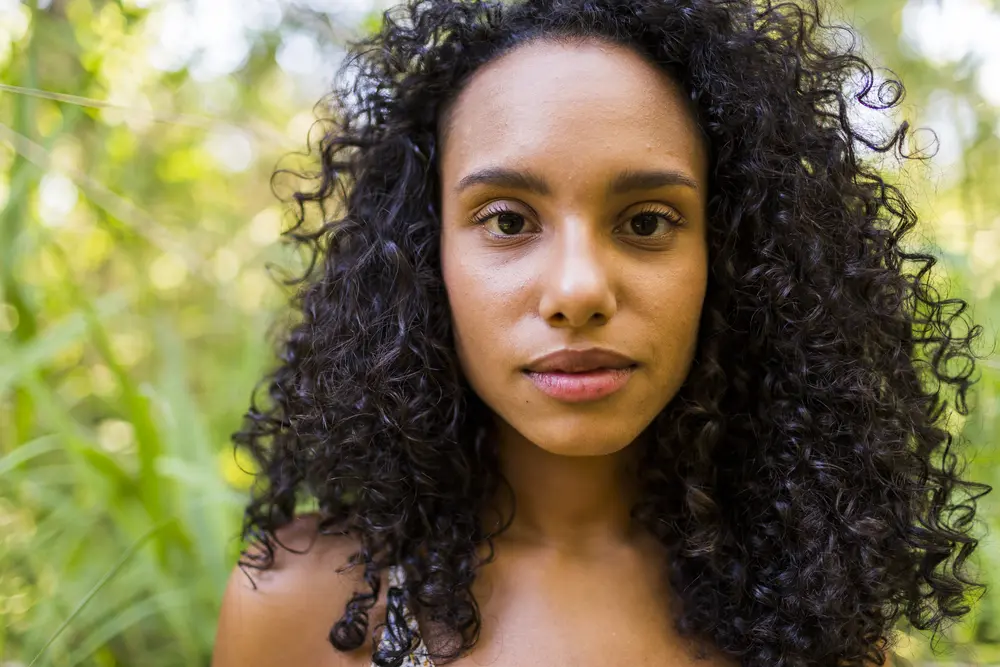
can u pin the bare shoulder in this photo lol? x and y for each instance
(283, 615)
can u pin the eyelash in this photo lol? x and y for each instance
(673, 219)
(491, 211)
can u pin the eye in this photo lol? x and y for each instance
(500, 220)
(652, 222)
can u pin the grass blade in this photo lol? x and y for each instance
(133, 548)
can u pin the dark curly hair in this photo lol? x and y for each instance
(817, 498)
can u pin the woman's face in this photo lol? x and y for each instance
(573, 204)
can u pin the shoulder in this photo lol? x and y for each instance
(284, 614)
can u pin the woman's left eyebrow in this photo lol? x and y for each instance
(649, 179)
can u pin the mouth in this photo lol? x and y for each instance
(576, 361)
(579, 375)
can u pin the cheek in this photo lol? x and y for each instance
(672, 313)
(485, 298)
(483, 285)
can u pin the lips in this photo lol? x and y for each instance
(580, 361)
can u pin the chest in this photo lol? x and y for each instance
(576, 640)
(571, 618)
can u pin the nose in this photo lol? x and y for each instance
(577, 289)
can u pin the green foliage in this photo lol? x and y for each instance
(135, 306)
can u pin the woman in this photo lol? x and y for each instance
(611, 355)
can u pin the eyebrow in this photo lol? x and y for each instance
(649, 179)
(624, 182)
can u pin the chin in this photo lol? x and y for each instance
(582, 439)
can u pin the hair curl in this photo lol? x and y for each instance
(804, 480)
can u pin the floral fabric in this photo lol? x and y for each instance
(397, 593)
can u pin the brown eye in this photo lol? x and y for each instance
(645, 224)
(509, 223)
(652, 223)
(500, 221)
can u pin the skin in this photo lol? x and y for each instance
(573, 582)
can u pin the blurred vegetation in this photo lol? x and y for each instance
(136, 299)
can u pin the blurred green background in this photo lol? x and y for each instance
(138, 255)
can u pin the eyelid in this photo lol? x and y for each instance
(497, 207)
(657, 207)
(494, 208)
(672, 215)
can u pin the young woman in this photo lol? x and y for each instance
(612, 354)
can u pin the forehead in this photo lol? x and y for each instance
(576, 103)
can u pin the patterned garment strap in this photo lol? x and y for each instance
(397, 600)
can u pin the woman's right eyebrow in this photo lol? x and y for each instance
(504, 178)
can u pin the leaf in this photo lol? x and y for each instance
(27, 358)
(132, 549)
(28, 451)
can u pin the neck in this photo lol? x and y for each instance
(574, 504)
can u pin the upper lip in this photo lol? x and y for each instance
(579, 361)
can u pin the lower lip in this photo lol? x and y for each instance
(581, 387)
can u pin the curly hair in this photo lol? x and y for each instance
(804, 480)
